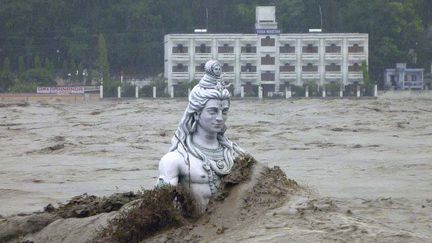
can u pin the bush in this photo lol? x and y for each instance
(181, 89)
(128, 90)
(146, 91)
(251, 93)
(6, 81)
(110, 88)
(24, 87)
(333, 88)
(40, 76)
(312, 87)
(161, 85)
(297, 91)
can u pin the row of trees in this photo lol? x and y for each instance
(66, 35)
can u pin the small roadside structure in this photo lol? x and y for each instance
(402, 77)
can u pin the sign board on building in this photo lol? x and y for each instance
(60, 90)
(268, 31)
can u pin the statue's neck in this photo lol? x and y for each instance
(205, 139)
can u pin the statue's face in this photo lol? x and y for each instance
(213, 116)
(217, 69)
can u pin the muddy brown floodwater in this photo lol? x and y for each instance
(368, 160)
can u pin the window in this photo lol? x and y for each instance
(310, 49)
(414, 77)
(354, 68)
(287, 68)
(310, 68)
(333, 48)
(355, 48)
(287, 49)
(203, 48)
(225, 49)
(200, 68)
(248, 48)
(267, 76)
(180, 68)
(179, 49)
(248, 68)
(267, 41)
(332, 67)
(267, 60)
(227, 68)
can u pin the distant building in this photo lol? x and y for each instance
(402, 77)
(267, 58)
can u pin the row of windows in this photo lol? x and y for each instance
(333, 67)
(407, 77)
(287, 48)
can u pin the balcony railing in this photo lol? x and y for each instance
(177, 69)
(354, 68)
(310, 68)
(287, 49)
(310, 49)
(246, 49)
(179, 50)
(202, 49)
(333, 49)
(355, 49)
(332, 68)
(267, 60)
(248, 68)
(226, 49)
(287, 68)
(416, 84)
(227, 68)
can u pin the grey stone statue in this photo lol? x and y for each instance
(200, 152)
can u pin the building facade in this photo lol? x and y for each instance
(267, 58)
(402, 77)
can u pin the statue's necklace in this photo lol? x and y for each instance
(215, 154)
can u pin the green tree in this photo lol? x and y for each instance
(49, 65)
(6, 65)
(6, 77)
(21, 66)
(37, 62)
(366, 79)
(103, 64)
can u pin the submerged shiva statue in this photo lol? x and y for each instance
(200, 153)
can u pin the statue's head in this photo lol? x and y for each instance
(213, 68)
(208, 105)
(207, 109)
(211, 94)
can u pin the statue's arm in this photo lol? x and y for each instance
(169, 170)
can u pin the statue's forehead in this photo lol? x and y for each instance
(217, 103)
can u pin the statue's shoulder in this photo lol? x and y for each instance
(172, 158)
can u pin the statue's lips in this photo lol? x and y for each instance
(218, 125)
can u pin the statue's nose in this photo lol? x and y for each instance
(219, 116)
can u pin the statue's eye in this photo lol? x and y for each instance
(212, 111)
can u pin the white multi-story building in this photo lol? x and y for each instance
(267, 58)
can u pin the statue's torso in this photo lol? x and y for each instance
(199, 182)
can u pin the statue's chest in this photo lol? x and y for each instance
(196, 171)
